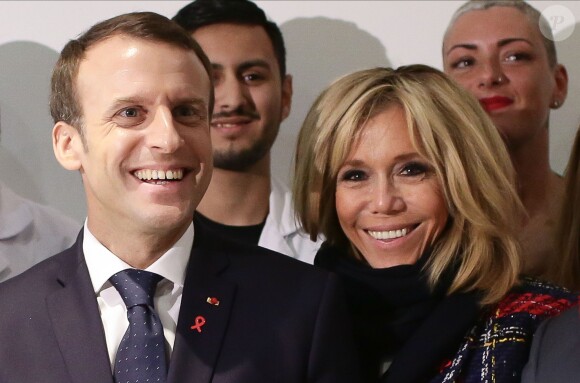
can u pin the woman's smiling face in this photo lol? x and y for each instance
(499, 56)
(388, 199)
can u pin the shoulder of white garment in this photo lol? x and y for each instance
(281, 231)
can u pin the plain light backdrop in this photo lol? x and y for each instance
(324, 39)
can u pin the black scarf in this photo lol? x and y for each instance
(396, 315)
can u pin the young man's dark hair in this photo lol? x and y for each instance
(201, 13)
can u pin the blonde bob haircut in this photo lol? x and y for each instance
(450, 130)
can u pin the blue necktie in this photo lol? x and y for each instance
(141, 353)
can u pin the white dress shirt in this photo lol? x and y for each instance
(103, 264)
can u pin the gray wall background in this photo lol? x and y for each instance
(325, 39)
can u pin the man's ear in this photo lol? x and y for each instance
(286, 96)
(67, 145)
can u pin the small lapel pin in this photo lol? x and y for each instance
(213, 301)
(199, 321)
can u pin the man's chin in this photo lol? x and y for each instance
(166, 218)
(237, 162)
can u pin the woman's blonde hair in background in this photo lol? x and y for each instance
(450, 130)
(567, 272)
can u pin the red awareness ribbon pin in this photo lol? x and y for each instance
(199, 321)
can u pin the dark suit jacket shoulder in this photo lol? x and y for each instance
(555, 350)
(51, 324)
(266, 318)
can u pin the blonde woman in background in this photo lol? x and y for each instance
(503, 53)
(410, 183)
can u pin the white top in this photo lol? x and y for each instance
(30, 232)
(103, 264)
(281, 231)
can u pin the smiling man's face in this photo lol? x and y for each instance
(147, 159)
(251, 98)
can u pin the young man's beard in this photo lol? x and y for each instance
(241, 160)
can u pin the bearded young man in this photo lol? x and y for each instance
(253, 96)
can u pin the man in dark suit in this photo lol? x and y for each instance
(555, 350)
(144, 294)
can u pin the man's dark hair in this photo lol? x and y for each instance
(149, 26)
(201, 13)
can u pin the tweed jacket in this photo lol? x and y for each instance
(497, 347)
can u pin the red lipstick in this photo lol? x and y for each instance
(494, 103)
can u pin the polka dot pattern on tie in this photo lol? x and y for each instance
(141, 354)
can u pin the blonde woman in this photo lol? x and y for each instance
(503, 53)
(411, 185)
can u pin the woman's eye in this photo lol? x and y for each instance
(414, 170)
(462, 63)
(515, 57)
(353, 175)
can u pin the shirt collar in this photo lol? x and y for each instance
(102, 264)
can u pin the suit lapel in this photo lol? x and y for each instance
(202, 325)
(77, 323)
